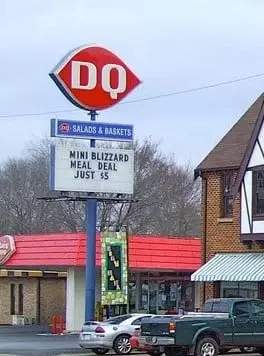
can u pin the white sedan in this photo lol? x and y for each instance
(114, 333)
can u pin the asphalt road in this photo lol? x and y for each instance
(28, 341)
(35, 341)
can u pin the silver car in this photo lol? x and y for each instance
(114, 333)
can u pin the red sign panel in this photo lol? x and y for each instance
(93, 78)
(7, 248)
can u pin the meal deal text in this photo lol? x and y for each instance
(76, 167)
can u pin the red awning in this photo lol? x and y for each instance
(68, 250)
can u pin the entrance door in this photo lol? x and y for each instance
(153, 297)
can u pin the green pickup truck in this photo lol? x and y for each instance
(223, 324)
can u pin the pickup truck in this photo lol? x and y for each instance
(223, 324)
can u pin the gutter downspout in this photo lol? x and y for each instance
(204, 232)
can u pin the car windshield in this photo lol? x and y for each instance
(117, 319)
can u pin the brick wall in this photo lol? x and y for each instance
(30, 298)
(52, 299)
(222, 235)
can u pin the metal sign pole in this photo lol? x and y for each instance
(90, 266)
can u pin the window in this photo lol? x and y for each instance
(239, 290)
(138, 321)
(257, 308)
(258, 194)
(241, 309)
(207, 308)
(12, 299)
(227, 205)
(116, 320)
(20, 299)
(221, 307)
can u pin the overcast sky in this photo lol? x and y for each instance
(171, 45)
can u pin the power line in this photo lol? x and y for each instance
(150, 98)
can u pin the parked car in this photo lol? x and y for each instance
(238, 324)
(114, 333)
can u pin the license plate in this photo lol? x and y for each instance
(87, 337)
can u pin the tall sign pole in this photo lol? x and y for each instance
(90, 267)
(92, 78)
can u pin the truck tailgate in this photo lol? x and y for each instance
(156, 326)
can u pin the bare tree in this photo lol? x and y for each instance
(168, 199)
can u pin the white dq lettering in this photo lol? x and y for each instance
(92, 78)
(106, 82)
(76, 75)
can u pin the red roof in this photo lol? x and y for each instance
(68, 250)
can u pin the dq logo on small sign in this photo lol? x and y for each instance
(93, 78)
(7, 248)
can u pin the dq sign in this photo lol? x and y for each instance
(93, 78)
(7, 248)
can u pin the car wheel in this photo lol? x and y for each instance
(247, 349)
(100, 351)
(207, 347)
(122, 345)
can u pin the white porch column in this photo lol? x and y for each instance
(75, 299)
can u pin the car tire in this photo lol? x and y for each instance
(207, 347)
(100, 351)
(122, 345)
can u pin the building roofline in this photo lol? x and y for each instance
(249, 150)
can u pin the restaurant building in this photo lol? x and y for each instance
(44, 275)
(232, 177)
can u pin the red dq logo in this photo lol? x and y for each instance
(64, 127)
(94, 78)
(7, 248)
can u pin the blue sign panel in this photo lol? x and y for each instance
(91, 130)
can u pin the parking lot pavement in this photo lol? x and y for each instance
(20, 341)
(34, 341)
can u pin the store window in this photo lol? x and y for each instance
(12, 299)
(20, 299)
(258, 194)
(227, 203)
(239, 289)
(160, 293)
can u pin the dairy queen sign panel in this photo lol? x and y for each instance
(94, 78)
(7, 248)
(79, 168)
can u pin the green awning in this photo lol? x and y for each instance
(239, 267)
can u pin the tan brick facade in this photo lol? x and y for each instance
(222, 234)
(52, 299)
(42, 298)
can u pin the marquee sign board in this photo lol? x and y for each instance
(91, 130)
(7, 248)
(114, 268)
(78, 168)
(93, 78)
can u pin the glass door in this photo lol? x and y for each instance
(153, 297)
